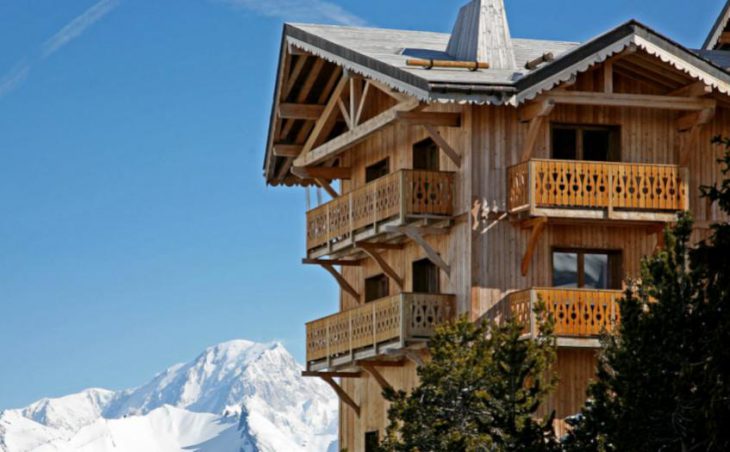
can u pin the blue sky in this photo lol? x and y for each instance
(135, 226)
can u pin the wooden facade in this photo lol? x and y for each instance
(489, 214)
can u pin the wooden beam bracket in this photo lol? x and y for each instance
(372, 251)
(341, 281)
(344, 397)
(375, 373)
(415, 234)
(538, 226)
(444, 145)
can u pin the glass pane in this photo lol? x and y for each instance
(596, 145)
(596, 271)
(565, 270)
(564, 144)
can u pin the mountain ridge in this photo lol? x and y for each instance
(248, 393)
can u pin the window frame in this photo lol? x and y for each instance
(614, 141)
(436, 280)
(615, 257)
(385, 161)
(380, 277)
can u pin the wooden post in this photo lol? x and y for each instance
(533, 299)
(531, 185)
(403, 197)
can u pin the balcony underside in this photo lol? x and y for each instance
(381, 232)
(387, 350)
(583, 215)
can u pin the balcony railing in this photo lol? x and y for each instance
(400, 196)
(578, 313)
(600, 186)
(392, 321)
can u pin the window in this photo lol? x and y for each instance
(587, 269)
(426, 155)
(372, 441)
(377, 170)
(376, 288)
(594, 143)
(425, 277)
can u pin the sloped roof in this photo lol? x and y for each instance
(382, 55)
(720, 26)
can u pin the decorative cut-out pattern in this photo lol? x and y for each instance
(577, 312)
(377, 322)
(597, 185)
(424, 193)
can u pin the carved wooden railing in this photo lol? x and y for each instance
(399, 318)
(567, 184)
(577, 312)
(403, 194)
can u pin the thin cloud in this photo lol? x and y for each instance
(68, 33)
(78, 26)
(299, 10)
(14, 78)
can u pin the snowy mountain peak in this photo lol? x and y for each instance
(255, 389)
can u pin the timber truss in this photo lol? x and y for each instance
(395, 238)
(362, 369)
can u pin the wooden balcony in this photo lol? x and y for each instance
(376, 328)
(581, 315)
(597, 190)
(397, 199)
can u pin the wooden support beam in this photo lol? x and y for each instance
(372, 251)
(340, 262)
(327, 187)
(354, 374)
(398, 96)
(344, 397)
(345, 114)
(697, 89)
(341, 281)
(536, 112)
(695, 132)
(287, 150)
(356, 87)
(326, 114)
(536, 109)
(322, 172)
(538, 227)
(444, 145)
(608, 77)
(544, 58)
(363, 101)
(383, 363)
(350, 138)
(308, 112)
(435, 119)
(630, 100)
(415, 234)
(370, 369)
(293, 76)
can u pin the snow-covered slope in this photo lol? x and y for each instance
(236, 396)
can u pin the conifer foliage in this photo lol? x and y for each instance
(479, 392)
(663, 381)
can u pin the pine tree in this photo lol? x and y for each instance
(663, 380)
(479, 392)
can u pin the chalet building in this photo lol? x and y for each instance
(472, 173)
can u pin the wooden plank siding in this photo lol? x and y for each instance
(485, 251)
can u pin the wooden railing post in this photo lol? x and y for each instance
(402, 193)
(327, 336)
(404, 320)
(349, 334)
(611, 192)
(532, 185)
(533, 300)
(375, 329)
(684, 172)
